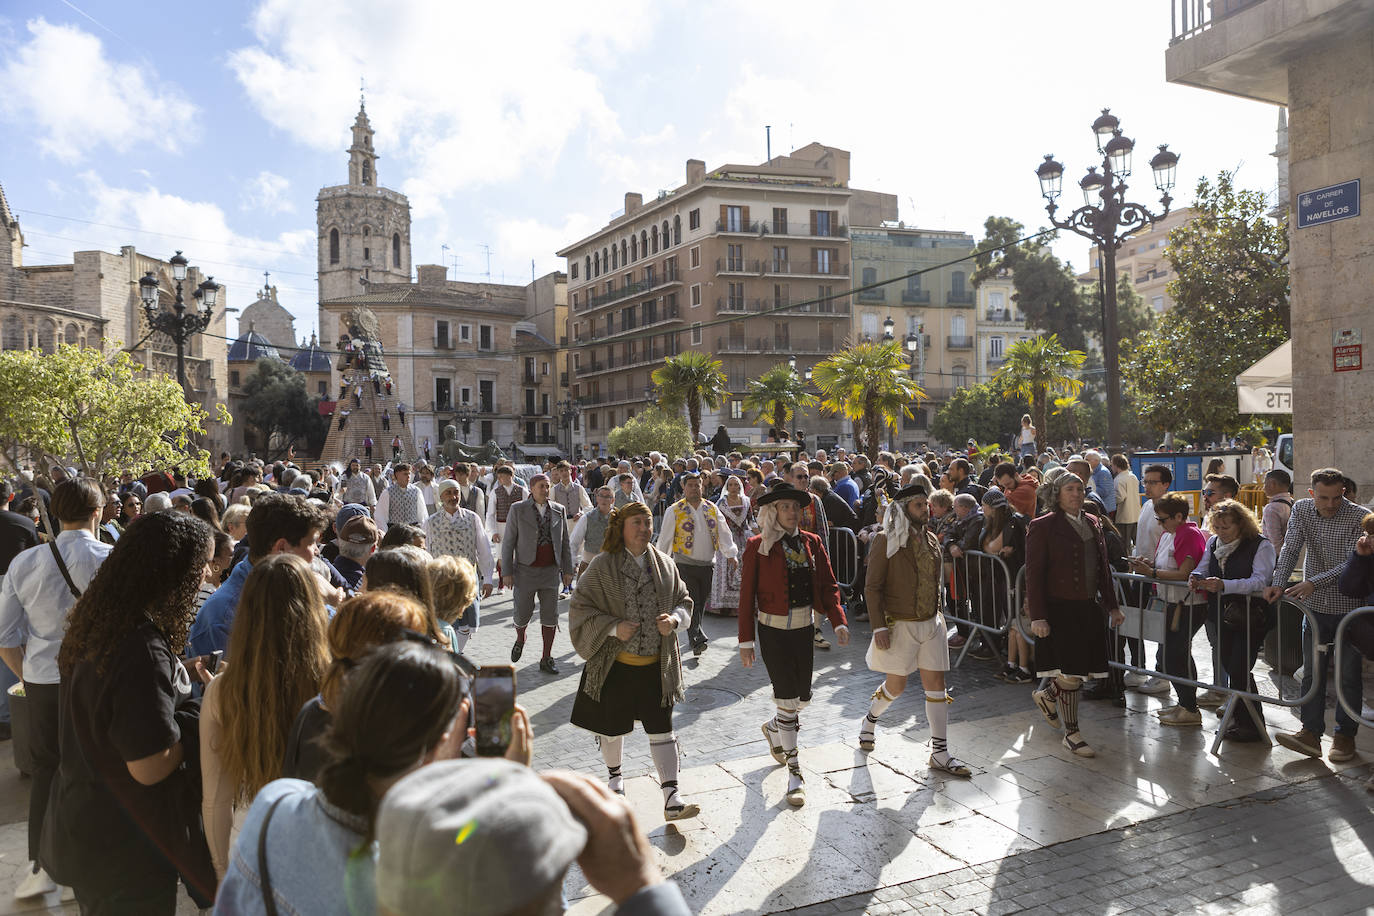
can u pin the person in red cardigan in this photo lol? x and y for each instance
(785, 576)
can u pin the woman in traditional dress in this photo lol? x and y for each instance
(736, 510)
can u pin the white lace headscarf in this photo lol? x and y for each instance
(896, 523)
(769, 528)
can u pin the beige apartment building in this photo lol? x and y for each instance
(751, 263)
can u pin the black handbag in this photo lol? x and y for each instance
(1245, 614)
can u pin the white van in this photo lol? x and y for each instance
(1283, 453)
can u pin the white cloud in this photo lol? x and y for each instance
(542, 239)
(266, 194)
(465, 95)
(76, 99)
(234, 258)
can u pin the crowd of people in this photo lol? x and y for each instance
(220, 674)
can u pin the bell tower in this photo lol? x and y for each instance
(364, 231)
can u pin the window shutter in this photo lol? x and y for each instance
(724, 215)
(744, 217)
(815, 266)
(834, 222)
(813, 227)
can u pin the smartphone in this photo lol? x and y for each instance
(494, 708)
(212, 660)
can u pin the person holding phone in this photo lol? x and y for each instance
(626, 611)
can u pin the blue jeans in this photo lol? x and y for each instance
(7, 680)
(1351, 681)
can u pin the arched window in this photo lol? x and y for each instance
(665, 233)
(623, 251)
(634, 248)
(653, 241)
(367, 231)
(73, 335)
(606, 258)
(960, 376)
(957, 327)
(367, 172)
(596, 263)
(615, 257)
(396, 250)
(12, 338)
(333, 246)
(644, 243)
(677, 230)
(47, 336)
(587, 268)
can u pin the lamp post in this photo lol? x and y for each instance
(1106, 224)
(464, 415)
(180, 324)
(568, 410)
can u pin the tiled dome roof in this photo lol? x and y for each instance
(310, 358)
(251, 347)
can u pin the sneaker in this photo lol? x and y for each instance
(1045, 703)
(1165, 711)
(1154, 685)
(1006, 673)
(1020, 676)
(770, 734)
(1134, 680)
(1211, 698)
(1078, 746)
(35, 884)
(1342, 749)
(1181, 717)
(1302, 741)
(820, 641)
(957, 641)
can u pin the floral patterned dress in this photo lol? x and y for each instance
(724, 583)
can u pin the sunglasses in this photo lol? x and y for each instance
(1209, 492)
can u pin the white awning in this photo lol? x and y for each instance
(1267, 386)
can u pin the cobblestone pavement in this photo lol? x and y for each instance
(1153, 824)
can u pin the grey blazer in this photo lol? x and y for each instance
(522, 537)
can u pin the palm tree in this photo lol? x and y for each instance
(1036, 370)
(1067, 407)
(869, 384)
(692, 379)
(777, 395)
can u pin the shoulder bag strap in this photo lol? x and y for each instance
(268, 900)
(62, 568)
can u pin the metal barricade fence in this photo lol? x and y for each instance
(1342, 645)
(843, 547)
(982, 583)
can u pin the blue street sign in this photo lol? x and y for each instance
(1326, 205)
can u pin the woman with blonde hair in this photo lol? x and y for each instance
(278, 658)
(454, 581)
(626, 611)
(361, 624)
(406, 569)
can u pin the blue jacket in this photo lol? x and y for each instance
(210, 631)
(847, 490)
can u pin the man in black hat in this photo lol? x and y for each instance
(909, 633)
(785, 578)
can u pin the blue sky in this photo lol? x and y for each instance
(518, 127)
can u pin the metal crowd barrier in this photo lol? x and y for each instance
(989, 601)
(1341, 643)
(843, 548)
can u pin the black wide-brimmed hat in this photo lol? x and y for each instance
(910, 490)
(785, 491)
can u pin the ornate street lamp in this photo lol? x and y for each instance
(464, 414)
(888, 325)
(568, 411)
(1106, 219)
(179, 324)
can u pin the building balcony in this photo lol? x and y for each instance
(960, 342)
(960, 298)
(773, 267)
(770, 305)
(771, 345)
(562, 380)
(916, 297)
(1002, 316)
(872, 295)
(737, 266)
(737, 227)
(659, 278)
(996, 362)
(1189, 18)
(804, 230)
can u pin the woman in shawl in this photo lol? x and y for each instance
(626, 610)
(735, 510)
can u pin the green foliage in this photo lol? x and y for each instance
(649, 431)
(1133, 314)
(1230, 295)
(775, 396)
(1037, 370)
(690, 380)
(868, 384)
(980, 413)
(105, 413)
(277, 404)
(1046, 290)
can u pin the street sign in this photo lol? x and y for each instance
(1347, 351)
(1326, 205)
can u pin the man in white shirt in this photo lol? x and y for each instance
(1127, 487)
(692, 533)
(567, 492)
(505, 493)
(34, 602)
(455, 531)
(425, 482)
(590, 530)
(401, 503)
(1278, 490)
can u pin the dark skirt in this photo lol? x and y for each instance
(630, 693)
(1077, 644)
(789, 656)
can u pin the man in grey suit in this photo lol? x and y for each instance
(536, 560)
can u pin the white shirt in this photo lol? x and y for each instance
(1147, 531)
(35, 601)
(577, 540)
(1127, 498)
(435, 536)
(493, 526)
(702, 548)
